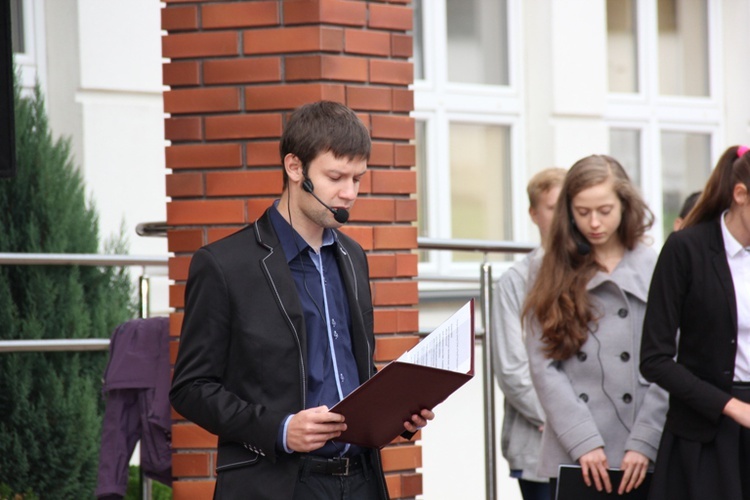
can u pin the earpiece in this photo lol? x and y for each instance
(583, 246)
(340, 214)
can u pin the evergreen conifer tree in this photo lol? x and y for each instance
(50, 403)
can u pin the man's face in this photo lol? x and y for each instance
(336, 182)
(543, 211)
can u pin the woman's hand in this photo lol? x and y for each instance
(594, 467)
(634, 467)
(738, 411)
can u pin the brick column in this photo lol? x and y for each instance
(236, 70)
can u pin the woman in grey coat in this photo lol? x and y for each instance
(585, 315)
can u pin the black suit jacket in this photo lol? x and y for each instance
(692, 290)
(242, 362)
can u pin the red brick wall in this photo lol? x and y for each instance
(236, 70)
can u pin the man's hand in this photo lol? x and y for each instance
(418, 420)
(634, 466)
(309, 429)
(594, 466)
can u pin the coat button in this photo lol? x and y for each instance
(732, 341)
(625, 357)
(623, 313)
(581, 356)
(627, 398)
(584, 397)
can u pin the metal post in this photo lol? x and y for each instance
(144, 311)
(485, 297)
(144, 306)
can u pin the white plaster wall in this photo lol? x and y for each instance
(105, 92)
(736, 39)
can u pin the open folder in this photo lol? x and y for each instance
(570, 486)
(422, 377)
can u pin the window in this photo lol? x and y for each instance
(28, 42)
(622, 45)
(423, 190)
(625, 147)
(683, 47)
(665, 130)
(418, 42)
(468, 107)
(477, 49)
(686, 165)
(480, 183)
(16, 27)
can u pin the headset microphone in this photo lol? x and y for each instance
(340, 214)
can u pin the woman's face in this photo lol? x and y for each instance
(597, 212)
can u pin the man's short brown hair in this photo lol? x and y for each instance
(543, 181)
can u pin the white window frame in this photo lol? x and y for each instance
(438, 103)
(31, 63)
(653, 113)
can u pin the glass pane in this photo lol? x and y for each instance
(16, 27)
(418, 36)
(423, 191)
(480, 184)
(622, 45)
(685, 167)
(683, 47)
(477, 41)
(625, 147)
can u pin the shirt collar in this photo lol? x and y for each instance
(291, 242)
(731, 245)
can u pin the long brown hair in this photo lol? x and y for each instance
(717, 195)
(558, 298)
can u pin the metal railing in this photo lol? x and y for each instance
(76, 259)
(485, 299)
(71, 345)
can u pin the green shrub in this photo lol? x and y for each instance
(50, 403)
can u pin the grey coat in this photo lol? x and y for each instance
(597, 397)
(520, 439)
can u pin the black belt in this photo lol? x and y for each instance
(339, 466)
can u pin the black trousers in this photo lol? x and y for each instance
(361, 484)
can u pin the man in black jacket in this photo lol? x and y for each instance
(278, 327)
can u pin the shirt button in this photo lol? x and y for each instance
(625, 357)
(581, 356)
(627, 398)
(584, 397)
(623, 313)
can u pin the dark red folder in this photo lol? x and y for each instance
(376, 411)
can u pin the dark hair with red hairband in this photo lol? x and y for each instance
(732, 168)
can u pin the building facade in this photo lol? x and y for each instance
(500, 89)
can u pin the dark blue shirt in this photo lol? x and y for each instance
(332, 370)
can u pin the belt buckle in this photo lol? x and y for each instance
(346, 467)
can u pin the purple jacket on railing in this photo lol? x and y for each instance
(136, 388)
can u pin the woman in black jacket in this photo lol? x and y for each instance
(696, 342)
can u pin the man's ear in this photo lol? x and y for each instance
(532, 214)
(293, 167)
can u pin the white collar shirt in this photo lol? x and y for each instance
(738, 258)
